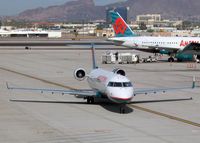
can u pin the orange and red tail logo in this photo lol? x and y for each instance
(119, 26)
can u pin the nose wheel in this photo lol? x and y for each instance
(122, 109)
(90, 100)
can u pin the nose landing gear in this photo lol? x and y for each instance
(122, 109)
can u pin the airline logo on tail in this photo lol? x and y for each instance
(120, 26)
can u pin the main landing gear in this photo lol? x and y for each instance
(171, 59)
(90, 100)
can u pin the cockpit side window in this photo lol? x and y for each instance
(127, 84)
(111, 84)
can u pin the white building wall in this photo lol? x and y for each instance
(54, 34)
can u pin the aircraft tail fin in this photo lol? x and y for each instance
(93, 57)
(120, 27)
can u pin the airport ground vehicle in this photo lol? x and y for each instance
(149, 59)
(122, 58)
(128, 58)
(108, 58)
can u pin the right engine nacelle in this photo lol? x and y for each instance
(80, 74)
(119, 71)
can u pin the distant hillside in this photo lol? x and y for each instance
(71, 11)
(86, 10)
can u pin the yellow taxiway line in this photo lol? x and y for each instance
(165, 115)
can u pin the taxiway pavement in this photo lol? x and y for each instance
(56, 118)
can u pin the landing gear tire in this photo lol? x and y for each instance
(122, 109)
(179, 60)
(90, 100)
(171, 59)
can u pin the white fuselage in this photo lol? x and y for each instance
(147, 42)
(116, 87)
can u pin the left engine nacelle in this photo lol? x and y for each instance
(119, 71)
(80, 74)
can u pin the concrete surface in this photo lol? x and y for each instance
(62, 119)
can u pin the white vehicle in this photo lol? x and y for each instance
(149, 59)
(113, 85)
(108, 58)
(182, 48)
(127, 58)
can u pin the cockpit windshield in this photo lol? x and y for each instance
(127, 84)
(119, 84)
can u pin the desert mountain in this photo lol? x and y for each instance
(87, 10)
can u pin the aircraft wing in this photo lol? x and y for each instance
(192, 48)
(78, 93)
(116, 41)
(160, 90)
(167, 49)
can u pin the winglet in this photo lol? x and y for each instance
(7, 85)
(194, 82)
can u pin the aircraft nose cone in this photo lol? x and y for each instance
(120, 94)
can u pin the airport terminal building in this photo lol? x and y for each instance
(30, 34)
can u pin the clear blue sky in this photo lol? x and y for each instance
(13, 7)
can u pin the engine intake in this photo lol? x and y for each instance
(119, 71)
(80, 74)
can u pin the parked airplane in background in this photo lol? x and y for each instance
(113, 85)
(182, 48)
